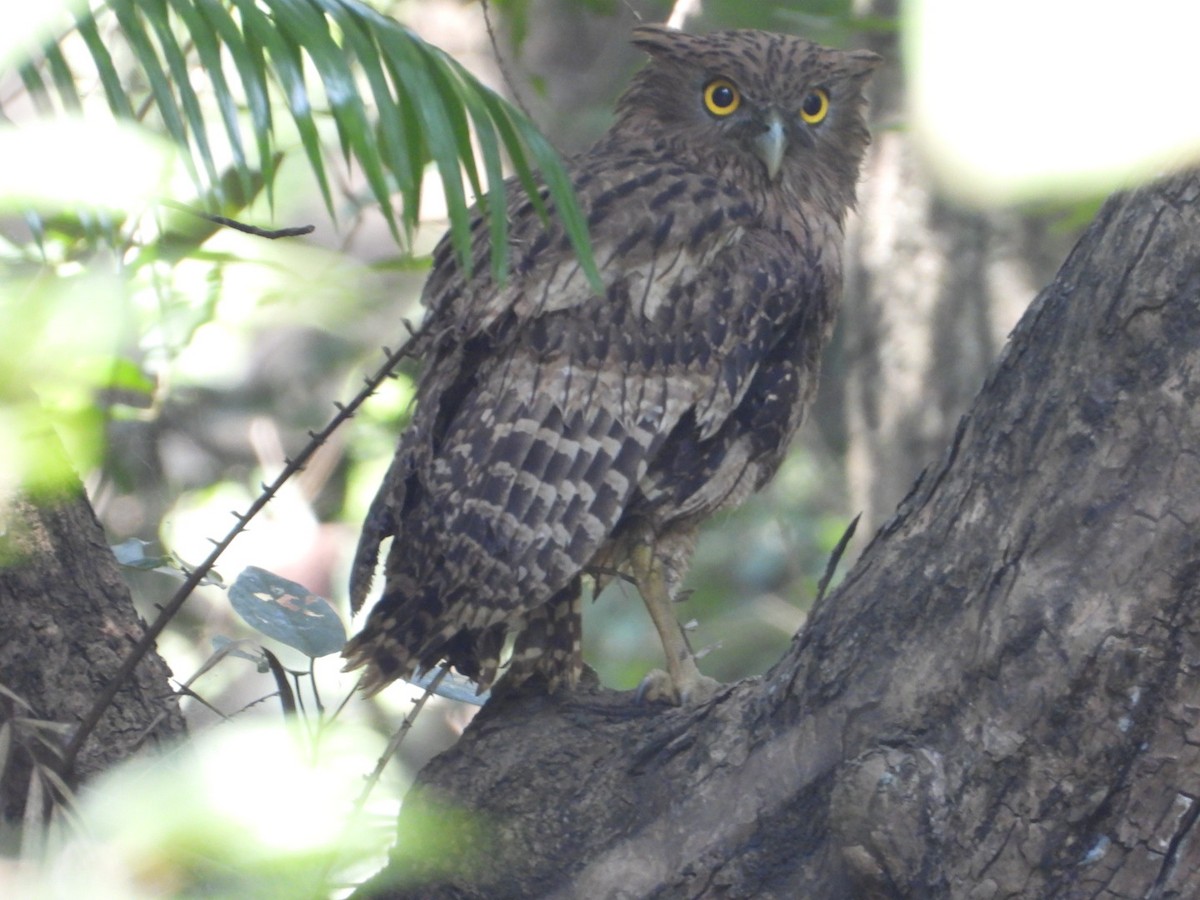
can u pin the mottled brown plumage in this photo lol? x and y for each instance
(558, 433)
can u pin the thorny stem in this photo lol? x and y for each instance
(397, 739)
(392, 748)
(168, 612)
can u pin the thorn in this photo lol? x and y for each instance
(408, 326)
(237, 515)
(215, 543)
(265, 487)
(387, 351)
(312, 434)
(339, 406)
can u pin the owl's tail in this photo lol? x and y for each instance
(548, 645)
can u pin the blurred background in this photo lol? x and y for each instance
(230, 348)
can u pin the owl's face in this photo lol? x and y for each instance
(772, 111)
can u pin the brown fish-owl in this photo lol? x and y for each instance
(561, 434)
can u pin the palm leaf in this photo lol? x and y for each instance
(340, 70)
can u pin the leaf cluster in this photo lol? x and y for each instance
(394, 103)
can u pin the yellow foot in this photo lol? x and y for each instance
(657, 687)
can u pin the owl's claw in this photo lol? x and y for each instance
(657, 687)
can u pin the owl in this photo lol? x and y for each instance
(561, 434)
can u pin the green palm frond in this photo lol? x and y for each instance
(218, 75)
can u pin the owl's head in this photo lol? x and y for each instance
(773, 110)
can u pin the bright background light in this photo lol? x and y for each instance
(1034, 97)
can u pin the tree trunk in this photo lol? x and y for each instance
(66, 624)
(997, 702)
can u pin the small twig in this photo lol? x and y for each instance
(504, 73)
(186, 691)
(172, 607)
(393, 746)
(269, 234)
(253, 703)
(836, 557)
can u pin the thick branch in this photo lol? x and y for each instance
(66, 623)
(997, 702)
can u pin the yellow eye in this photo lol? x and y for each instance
(721, 98)
(815, 107)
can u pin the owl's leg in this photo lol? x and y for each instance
(658, 582)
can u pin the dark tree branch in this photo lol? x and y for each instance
(269, 234)
(999, 701)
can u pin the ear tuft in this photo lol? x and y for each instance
(657, 40)
(860, 62)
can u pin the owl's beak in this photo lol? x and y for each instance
(771, 144)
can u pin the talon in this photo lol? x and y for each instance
(657, 687)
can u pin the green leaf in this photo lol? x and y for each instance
(114, 92)
(561, 191)
(63, 79)
(517, 130)
(287, 611)
(287, 66)
(209, 50)
(36, 87)
(248, 59)
(492, 203)
(442, 72)
(160, 83)
(409, 67)
(349, 113)
(397, 104)
(156, 12)
(395, 152)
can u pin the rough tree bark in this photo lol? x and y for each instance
(999, 701)
(67, 623)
